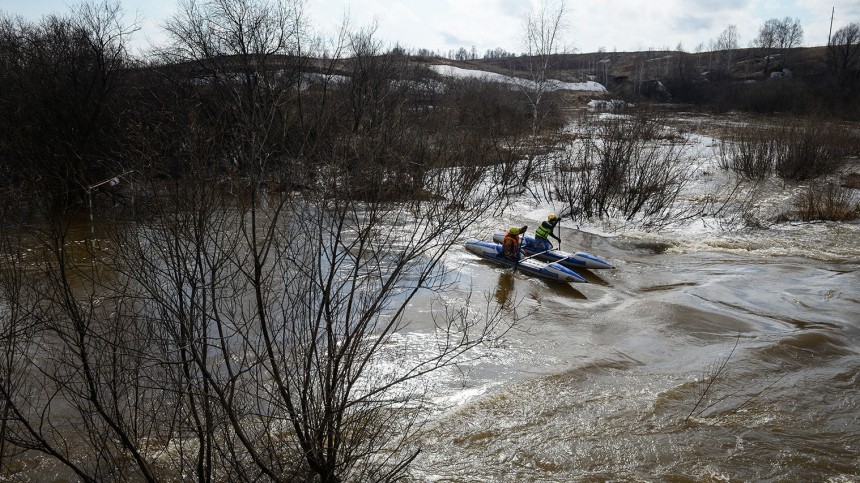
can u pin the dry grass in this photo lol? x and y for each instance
(826, 201)
(796, 149)
(851, 180)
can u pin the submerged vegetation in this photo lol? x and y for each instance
(826, 201)
(811, 152)
(795, 151)
(623, 167)
(260, 207)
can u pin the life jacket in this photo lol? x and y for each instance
(511, 246)
(544, 230)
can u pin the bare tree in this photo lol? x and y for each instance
(282, 307)
(543, 30)
(789, 34)
(778, 36)
(725, 45)
(15, 334)
(844, 49)
(233, 325)
(62, 98)
(766, 40)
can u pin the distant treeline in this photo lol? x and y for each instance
(78, 110)
(824, 81)
(774, 74)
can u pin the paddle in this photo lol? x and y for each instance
(534, 255)
(516, 263)
(520, 242)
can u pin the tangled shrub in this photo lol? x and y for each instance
(627, 167)
(827, 201)
(812, 149)
(795, 151)
(750, 152)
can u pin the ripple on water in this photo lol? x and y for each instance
(823, 241)
(807, 347)
(569, 425)
(615, 375)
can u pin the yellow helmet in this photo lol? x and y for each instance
(514, 231)
(551, 217)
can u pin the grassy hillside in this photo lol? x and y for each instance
(798, 80)
(616, 67)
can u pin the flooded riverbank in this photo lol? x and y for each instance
(719, 348)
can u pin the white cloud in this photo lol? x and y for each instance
(445, 25)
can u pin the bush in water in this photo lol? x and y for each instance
(827, 201)
(623, 167)
(812, 149)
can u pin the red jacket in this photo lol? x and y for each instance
(511, 246)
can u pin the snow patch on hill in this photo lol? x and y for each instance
(552, 84)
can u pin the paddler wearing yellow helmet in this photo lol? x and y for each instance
(511, 243)
(545, 231)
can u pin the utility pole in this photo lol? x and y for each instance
(832, 13)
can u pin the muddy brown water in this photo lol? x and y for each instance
(606, 380)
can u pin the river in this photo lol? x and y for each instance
(602, 382)
(706, 355)
(710, 353)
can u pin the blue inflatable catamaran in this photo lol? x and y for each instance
(546, 270)
(569, 260)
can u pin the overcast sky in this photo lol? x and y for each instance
(445, 25)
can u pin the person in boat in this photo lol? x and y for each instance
(511, 243)
(544, 232)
